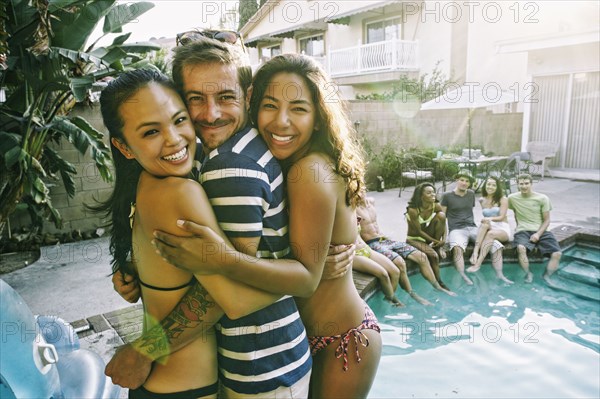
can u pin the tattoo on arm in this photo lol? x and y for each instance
(187, 315)
(189, 312)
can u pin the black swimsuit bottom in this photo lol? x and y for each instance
(143, 393)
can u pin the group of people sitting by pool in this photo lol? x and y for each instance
(436, 226)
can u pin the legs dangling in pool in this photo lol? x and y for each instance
(489, 236)
(524, 262)
(404, 281)
(427, 271)
(386, 272)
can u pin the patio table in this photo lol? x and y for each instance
(477, 166)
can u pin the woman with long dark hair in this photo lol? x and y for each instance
(153, 144)
(494, 229)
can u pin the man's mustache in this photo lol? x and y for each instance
(217, 123)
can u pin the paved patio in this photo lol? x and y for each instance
(72, 280)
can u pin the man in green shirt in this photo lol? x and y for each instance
(532, 214)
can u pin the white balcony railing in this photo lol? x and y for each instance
(391, 55)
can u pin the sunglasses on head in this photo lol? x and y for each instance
(225, 36)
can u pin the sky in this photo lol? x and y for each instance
(169, 17)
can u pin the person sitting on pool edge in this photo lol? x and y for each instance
(532, 214)
(388, 273)
(427, 225)
(394, 250)
(458, 206)
(494, 226)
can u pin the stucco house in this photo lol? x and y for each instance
(547, 53)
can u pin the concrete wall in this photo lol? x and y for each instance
(404, 125)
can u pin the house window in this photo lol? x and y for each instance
(266, 53)
(313, 46)
(387, 29)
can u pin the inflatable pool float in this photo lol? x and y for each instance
(41, 357)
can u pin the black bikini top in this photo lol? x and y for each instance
(153, 287)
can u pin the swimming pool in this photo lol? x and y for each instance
(492, 341)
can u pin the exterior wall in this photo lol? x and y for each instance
(340, 36)
(582, 58)
(405, 126)
(521, 20)
(433, 34)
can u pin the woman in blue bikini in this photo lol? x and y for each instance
(494, 228)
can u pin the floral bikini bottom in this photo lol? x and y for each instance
(319, 343)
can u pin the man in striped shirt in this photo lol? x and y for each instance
(263, 354)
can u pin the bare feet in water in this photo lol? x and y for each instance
(442, 287)
(419, 299)
(474, 256)
(473, 269)
(503, 278)
(467, 279)
(451, 293)
(529, 277)
(395, 301)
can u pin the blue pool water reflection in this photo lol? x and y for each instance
(492, 341)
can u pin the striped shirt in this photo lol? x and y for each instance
(268, 348)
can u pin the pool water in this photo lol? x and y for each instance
(494, 340)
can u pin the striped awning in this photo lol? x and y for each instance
(287, 33)
(263, 39)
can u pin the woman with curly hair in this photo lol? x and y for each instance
(427, 226)
(298, 112)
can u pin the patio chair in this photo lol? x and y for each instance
(539, 153)
(412, 172)
(516, 164)
(502, 169)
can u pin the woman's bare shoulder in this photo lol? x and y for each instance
(313, 160)
(162, 199)
(171, 187)
(313, 168)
